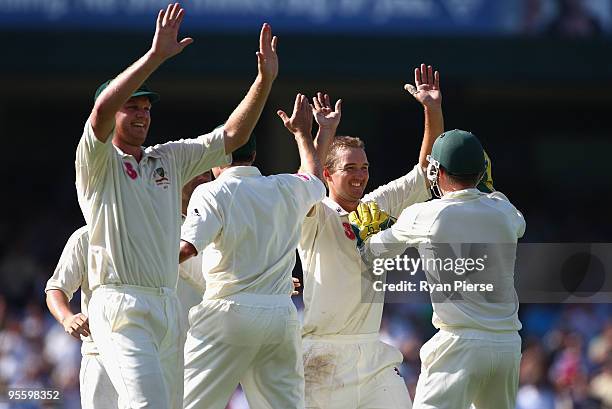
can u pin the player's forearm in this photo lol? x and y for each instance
(434, 126)
(309, 161)
(322, 143)
(119, 91)
(58, 305)
(186, 251)
(242, 121)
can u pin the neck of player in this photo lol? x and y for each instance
(347, 204)
(129, 149)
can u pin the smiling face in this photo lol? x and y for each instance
(347, 180)
(132, 122)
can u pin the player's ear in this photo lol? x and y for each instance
(442, 176)
(326, 174)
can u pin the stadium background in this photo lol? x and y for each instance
(536, 90)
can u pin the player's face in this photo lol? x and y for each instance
(132, 121)
(349, 178)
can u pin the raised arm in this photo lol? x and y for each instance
(328, 119)
(427, 92)
(300, 125)
(242, 121)
(164, 46)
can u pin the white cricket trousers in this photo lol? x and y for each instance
(97, 390)
(353, 372)
(249, 339)
(464, 366)
(138, 333)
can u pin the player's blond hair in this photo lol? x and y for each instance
(339, 143)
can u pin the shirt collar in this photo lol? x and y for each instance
(148, 152)
(463, 194)
(239, 171)
(151, 153)
(335, 206)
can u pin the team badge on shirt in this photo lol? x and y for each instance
(130, 171)
(161, 179)
(348, 231)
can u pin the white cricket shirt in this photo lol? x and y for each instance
(191, 272)
(332, 265)
(465, 216)
(71, 273)
(133, 209)
(252, 223)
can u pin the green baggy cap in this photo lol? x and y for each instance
(459, 152)
(142, 91)
(247, 149)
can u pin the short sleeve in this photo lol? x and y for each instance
(403, 192)
(91, 163)
(204, 219)
(306, 188)
(521, 225)
(197, 155)
(408, 231)
(516, 217)
(310, 226)
(72, 265)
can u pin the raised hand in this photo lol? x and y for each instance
(300, 121)
(326, 116)
(427, 89)
(165, 43)
(267, 60)
(367, 220)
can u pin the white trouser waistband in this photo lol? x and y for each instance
(343, 338)
(259, 300)
(471, 333)
(136, 289)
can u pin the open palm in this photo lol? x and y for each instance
(301, 119)
(165, 43)
(267, 60)
(324, 114)
(427, 89)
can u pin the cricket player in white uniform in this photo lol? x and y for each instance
(346, 366)
(130, 198)
(97, 391)
(246, 330)
(475, 356)
(192, 286)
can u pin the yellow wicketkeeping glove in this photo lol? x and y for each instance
(486, 183)
(367, 220)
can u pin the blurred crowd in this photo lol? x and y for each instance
(566, 18)
(567, 348)
(567, 353)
